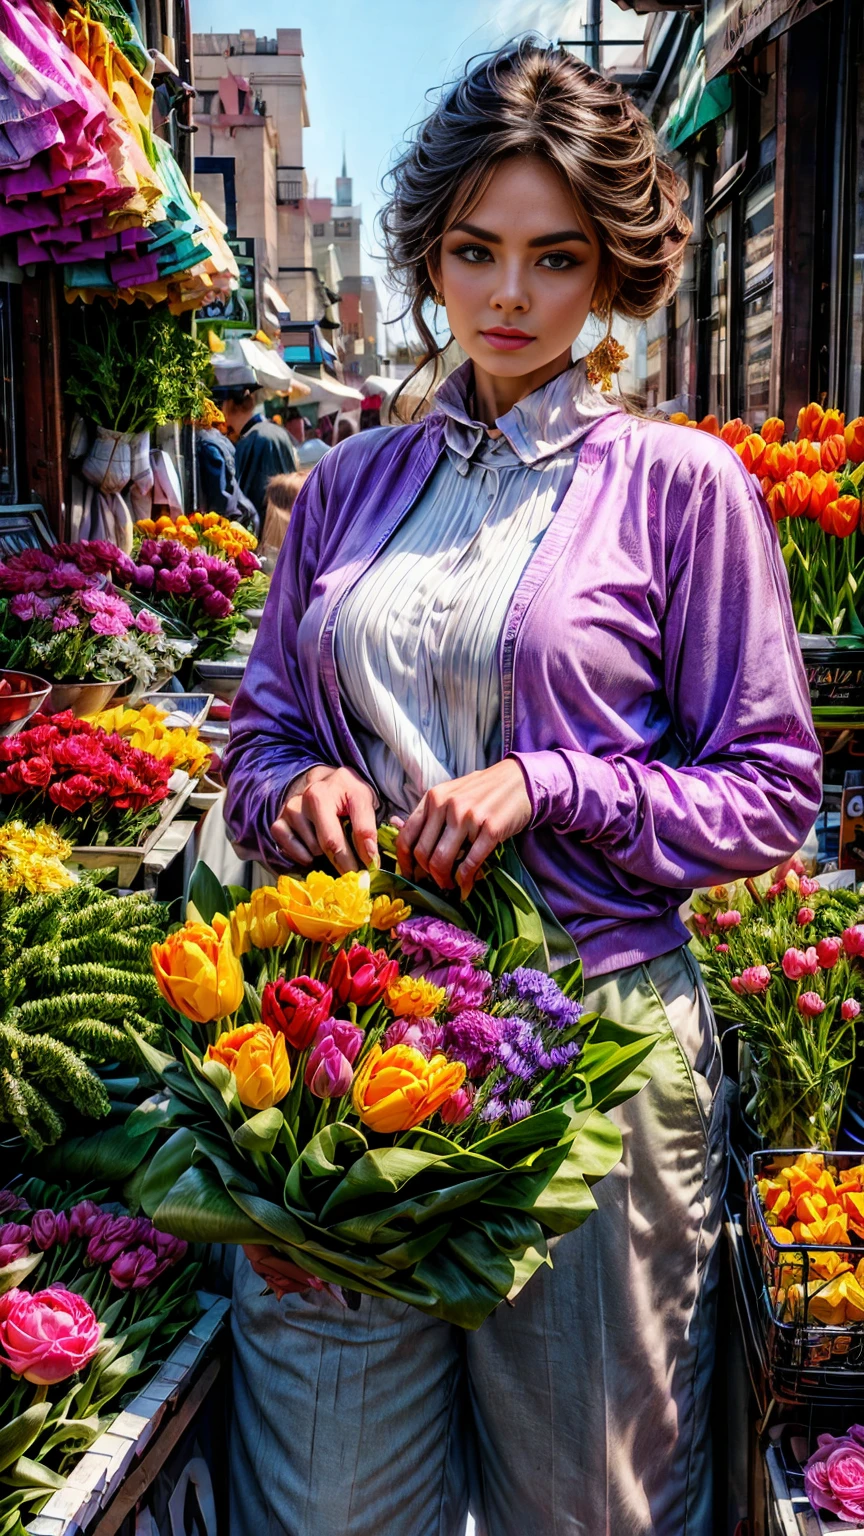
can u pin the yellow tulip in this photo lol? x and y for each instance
(259, 1062)
(387, 912)
(270, 924)
(326, 908)
(396, 1089)
(412, 997)
(197, 971)
(241, 940)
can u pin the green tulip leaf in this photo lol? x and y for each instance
(166, 1167)
(12, 1274)
(24, 1473)
(18, 1435)
(260, 1132)
(207, 894)
(200, 1209)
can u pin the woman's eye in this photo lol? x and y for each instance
(473, 253)
(557, 261)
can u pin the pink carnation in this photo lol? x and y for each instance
(729, 919)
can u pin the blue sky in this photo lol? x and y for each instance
(369, 65)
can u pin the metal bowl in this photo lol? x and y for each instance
(27, 693)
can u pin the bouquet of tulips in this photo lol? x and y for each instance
(812, 483)
(403, 1103)
(782, 963)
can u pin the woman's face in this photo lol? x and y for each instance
(518, 272)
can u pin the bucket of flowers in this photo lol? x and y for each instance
(401, 1103)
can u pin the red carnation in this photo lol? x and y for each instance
(75, 792)
(361, 976)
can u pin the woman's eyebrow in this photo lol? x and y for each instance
(493, 239)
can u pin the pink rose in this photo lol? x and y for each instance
(853, 940)
(47, 1336)
(729, 919)
(755, 979)
(805, 916)
(807, 887)
(850, 1009)
(829, 952)
(810, 1004)
(834, 1475)
(800, 962)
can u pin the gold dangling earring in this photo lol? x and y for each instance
(605, 359)
(437, 298)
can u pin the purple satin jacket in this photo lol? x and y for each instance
(651, 682)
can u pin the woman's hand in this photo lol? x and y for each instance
(481, 810)
(310, 822)
(282, 1277)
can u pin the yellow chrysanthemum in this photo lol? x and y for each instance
(387, 912)
(412, 997)
(31, 859)
(326, 907)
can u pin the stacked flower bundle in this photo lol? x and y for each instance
(113, 1293)
(57, 619)
(781, 960)
(145, 729)
(74, 973)
(218, 534)
(436, 1113)
(803, 1201)
(812, 484)
(95, 787)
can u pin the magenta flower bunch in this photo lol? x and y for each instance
(782, 960)
(129, 1249)
(834, 1475)
(204, 591)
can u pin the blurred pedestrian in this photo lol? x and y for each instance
(262, 449)
(219, 488)
(282, 492)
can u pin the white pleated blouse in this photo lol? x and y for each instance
(417, 637)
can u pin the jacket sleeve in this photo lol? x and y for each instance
(272, 737)
(748, 786)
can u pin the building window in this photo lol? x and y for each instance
(757, 295)
(319, 230)
(205, 103)
(656, 361)
(342, 229)
(289, 184)
(855, 380)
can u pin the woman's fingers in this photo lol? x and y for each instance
(466, 872)
(409, 832)
(360, 805)
(293, 847)
(321, 805)
(445, 853)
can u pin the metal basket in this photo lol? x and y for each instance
(807, 1359)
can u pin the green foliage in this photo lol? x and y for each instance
(134, 372)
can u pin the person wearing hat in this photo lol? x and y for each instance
(219, 488)
(262, 449)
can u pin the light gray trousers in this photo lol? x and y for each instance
(582, 1410)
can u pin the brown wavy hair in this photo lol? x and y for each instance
(533, 99)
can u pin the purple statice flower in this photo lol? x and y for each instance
(473, 1037)
(28, 606)
(523, 1054)
(424, 1034)
(147, 623)
(519, 1109)
(64, 618)
(541, 995)
(431, 941)
(466, 987)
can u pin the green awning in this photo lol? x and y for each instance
(699, 101)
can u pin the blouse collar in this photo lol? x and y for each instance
(547, 421)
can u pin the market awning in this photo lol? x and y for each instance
(331, 394)
(699, 100)
(732, 25)
(276, 311)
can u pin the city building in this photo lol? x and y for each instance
(336, 231)
(250, 113)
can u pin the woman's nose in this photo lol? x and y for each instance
(510, 294)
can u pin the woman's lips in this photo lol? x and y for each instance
(507, 341)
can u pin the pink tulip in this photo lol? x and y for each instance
(736, 984)
(800, 962)
(721, 949)
(853, 940)
(702, 924)
(850, 1009)
(729, 919)
(459, 1106)
(776, 889)
(811, 1005)
(47, 1336)
(808, 887)
(755, 979)
(829, 952)
(805, 916)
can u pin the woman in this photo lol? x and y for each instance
(533, 615)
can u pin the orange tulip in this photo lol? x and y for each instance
(197, 971)
(823, 489)
(809, 419)
(776, 499)
(773, 429)
(709, 424)
(854, 436)
(750, 451)
(832, 423)
(396, 1089)
(841, 517)
(734, 431)
(680, 418)
(259, 1062)
(833, 451)
(808, 455)
(779, 460)
(797, 493)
